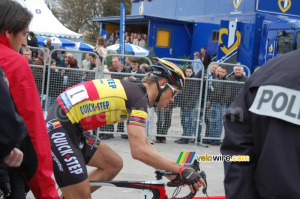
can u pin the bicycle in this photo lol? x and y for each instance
(156, 189)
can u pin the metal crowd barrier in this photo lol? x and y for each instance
(219, 94)
(181, 118)
(61, 78)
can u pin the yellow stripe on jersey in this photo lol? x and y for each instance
(116, 116)
(139, 113)
(93, 107)
(110, 88)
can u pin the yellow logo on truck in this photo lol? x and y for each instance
(237, 3)
(271, 48)
(234, 46)
(285, 6)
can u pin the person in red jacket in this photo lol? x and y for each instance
(37, 165)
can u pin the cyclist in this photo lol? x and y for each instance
(95, 103)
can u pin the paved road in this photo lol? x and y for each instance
(135, 170)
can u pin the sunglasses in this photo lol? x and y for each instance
(174, 90)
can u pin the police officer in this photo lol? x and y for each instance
(264, 123)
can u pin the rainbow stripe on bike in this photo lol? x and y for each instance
(186, 157)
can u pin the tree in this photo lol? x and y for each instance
(77, 15)
(112, 7)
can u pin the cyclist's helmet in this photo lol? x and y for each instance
(173, 73)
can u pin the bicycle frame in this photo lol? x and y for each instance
(157, 188)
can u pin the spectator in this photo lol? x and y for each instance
(86, 62)
(71, 77)
(205, 58)
(145, 37)
(131, 38)
(187, 103)
(238, 74)
(101, 47)
(197, 67)
(67, 58)
(145, 67)
(41, 56)
(38, 72)
(128, 61)
(117, 66)
(218, 101)
(112, 39)
(27, 53)
(134, 69)
(60, 62)
(49, 44)
(135, 36)
(93, 61)
(32, 40)
(139, 41)
(34, 55)
(37, 167)
(127, 39)
(117, 37)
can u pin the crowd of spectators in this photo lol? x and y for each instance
(138, 39)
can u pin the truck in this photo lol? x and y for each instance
(249, 32)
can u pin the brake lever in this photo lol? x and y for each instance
(204, 190)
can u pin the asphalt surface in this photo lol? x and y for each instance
(135, 170)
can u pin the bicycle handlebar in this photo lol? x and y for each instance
(178, 182)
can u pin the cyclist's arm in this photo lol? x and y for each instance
(144, 152)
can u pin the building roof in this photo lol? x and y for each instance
(141, 19)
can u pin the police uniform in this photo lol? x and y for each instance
(264, 123)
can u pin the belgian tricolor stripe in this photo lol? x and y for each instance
(137, 121)
(186, 157)
(56, 124)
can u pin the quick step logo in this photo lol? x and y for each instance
(62, 145)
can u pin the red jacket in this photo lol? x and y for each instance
(37, 164)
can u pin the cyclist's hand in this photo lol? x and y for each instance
(191, 178)
(14, 159)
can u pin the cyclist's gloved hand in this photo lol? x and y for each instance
(189, 175)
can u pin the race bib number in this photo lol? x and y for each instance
(146, 194)
(278, 102)
(73, 96)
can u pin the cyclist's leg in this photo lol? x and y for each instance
(107, 161)
(77, 191)
(68, 162)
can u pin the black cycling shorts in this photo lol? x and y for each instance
(72, 148)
